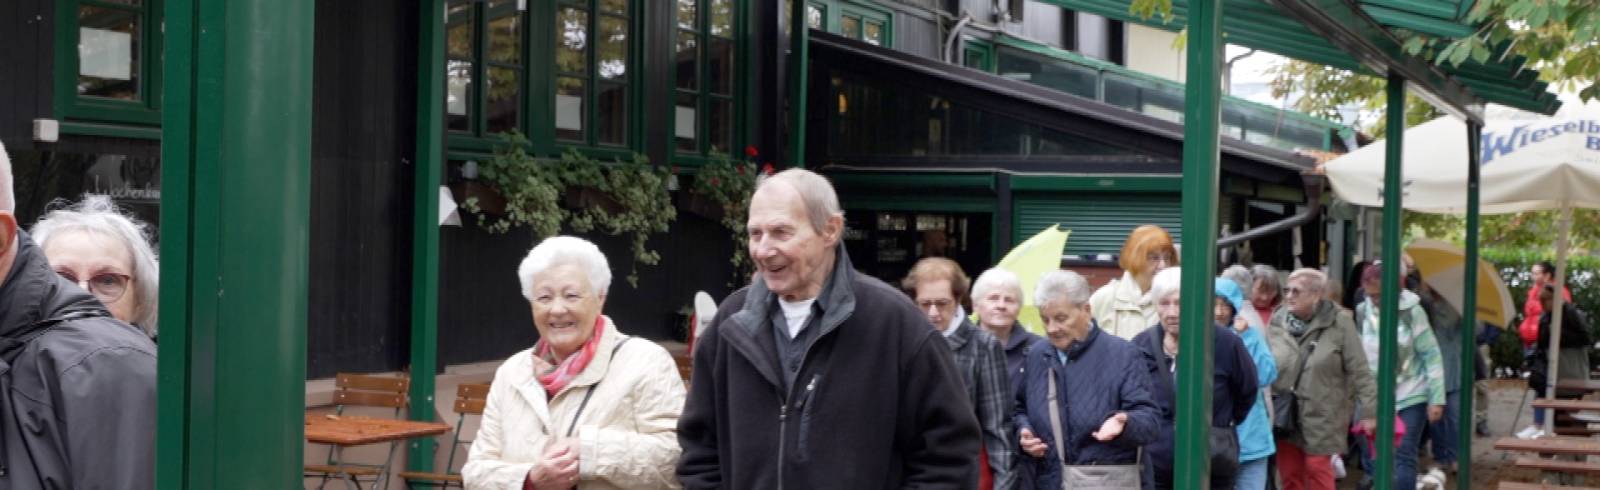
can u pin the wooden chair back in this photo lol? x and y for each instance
(470, 398)
(362, 390)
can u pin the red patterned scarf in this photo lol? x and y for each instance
(563, 373)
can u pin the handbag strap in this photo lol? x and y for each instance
(590, 393)
(1300, 371)
(1055, 419)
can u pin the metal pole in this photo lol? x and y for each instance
(1389, 302)
(235, 229)
(1563, 240)
(1469, 316)
(425, 227)
(799, 64)
(1202, 118)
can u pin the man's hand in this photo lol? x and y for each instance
(558, 468)
(1435, 412)
(1032, 445)
(1111, 428)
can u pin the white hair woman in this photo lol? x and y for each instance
(107, 253)
(1105, 409)
(997, 299)
(1234, 383)
(584, 404)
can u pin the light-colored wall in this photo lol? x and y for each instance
(1151, 51)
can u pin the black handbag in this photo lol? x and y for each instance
(1224, 453)
(1286, 405)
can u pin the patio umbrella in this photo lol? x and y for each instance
(1029, 261)
(1525, 164)
(1442, 264)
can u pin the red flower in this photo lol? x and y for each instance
(750, 151)
(767, 169)
(739, 168)
(714, 182)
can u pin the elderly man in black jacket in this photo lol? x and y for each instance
(77, 387)
(817, 376)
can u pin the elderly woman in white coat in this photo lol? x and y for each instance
(586, 405)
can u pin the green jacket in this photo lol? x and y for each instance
(1336, 377)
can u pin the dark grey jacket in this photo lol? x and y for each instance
(877, 402)
(77, 387)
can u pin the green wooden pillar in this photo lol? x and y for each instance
(1202, 119)
(1469, 315)
(1389, 301)
(425, 226)
(799, 64)
(235, 215)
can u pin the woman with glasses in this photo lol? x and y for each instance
(108, 254)
(586, 405)
(1120, 307)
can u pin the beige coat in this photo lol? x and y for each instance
(1119, 308)
(627, 433)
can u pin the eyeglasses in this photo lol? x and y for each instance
(1162, 257)
(108, 287)
(935, 303)
(1294, 291)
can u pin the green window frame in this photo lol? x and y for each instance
(978, 54)
(860, 21)
(706, 74)
(594, 98)
(92, 84)
(485, 68)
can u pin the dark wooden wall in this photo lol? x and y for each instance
(364, 100)
(27, 32)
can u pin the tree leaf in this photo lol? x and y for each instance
(1480, 52)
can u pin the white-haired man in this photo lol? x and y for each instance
(77, 387)
(817, 376)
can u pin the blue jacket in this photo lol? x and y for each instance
(1103, 375)
(1255, 434)
(1232, 390)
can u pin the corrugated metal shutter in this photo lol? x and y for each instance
(1099, 221)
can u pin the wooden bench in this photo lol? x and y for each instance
(1579, 446)
(1515, 485)
(1582, 431)
(1572, 405)
(470, 400)
(1578, 384)
(1558, 465)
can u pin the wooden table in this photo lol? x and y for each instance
(1578, 384)
(347, 431)
(1577, 446)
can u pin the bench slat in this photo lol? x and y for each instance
(1516, 485)
(1551, 445)
(1567, 404)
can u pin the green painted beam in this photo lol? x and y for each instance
(1201, 170)
(236, 167)
(425, 227)
(1389, 300)
(902, 180)
(1437, 10)
(799, 62)
(1416, 22)
(1096, 183)
(1469, 312)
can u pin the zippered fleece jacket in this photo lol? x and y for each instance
(876, 402)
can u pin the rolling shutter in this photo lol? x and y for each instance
(1100, 221)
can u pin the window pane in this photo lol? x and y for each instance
(569, 108)
(458, 40)
(722, 18)
(720, 125)
(108, 53)
(613, 40)
(612, 117)
(850, 27)
(458, 95)
(686, 14)
(720, 56)
(619, 7)
(684, 122)
(873, 34)
(505, 39)
(501, 105)
(688, 57)
(572, 38)
(814, 16)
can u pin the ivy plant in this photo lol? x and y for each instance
(728, 183)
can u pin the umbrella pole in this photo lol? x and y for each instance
(1563, 240)
(1470, 271)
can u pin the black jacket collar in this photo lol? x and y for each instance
(752, 325)
(33, 295)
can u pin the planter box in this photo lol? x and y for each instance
(490, 201)
(701, 205)
(588, 197)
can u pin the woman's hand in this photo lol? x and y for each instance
(1239, 324)
(1111, 428)
(1032, 445)
(558, 469)
(1435, 412)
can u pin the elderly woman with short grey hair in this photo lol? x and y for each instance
(1105, 413)
(586, 404)
(997, 299)
(108, 254)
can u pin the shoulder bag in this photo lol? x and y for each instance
(1090, 477)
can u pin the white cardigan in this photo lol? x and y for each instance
(627, 433)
